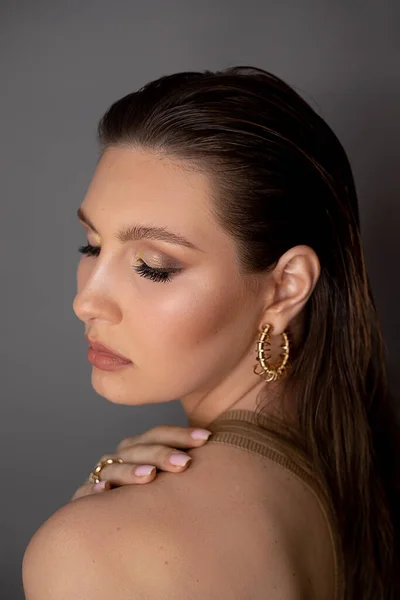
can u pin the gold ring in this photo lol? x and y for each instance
(94, 475)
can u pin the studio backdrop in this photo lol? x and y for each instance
(62, 63)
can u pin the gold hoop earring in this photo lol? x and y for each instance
(270, 372)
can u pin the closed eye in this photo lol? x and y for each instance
(158, 275)
(89, 250)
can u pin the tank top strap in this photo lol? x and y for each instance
(260, 434)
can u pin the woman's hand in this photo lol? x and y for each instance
(153, 448)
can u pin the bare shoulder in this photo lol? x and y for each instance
(202, 533)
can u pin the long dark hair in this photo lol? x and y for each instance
(282, 178)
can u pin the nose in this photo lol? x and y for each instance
(92, 303)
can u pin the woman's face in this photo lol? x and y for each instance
(186, 337)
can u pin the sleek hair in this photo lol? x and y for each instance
(281, 178)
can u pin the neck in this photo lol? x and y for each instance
(271, 397)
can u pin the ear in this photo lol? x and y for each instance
(290, 285)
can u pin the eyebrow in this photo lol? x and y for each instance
(138, 232)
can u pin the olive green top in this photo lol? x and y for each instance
(257, 433)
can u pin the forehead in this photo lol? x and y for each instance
(136, 184)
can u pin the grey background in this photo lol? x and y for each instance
(62, 64)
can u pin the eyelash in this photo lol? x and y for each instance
(143, 269)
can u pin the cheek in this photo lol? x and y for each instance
(187, 317)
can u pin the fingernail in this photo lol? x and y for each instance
(98, 487)
(179, 460)
(144, 470)
(200, 434)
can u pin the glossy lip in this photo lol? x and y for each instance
(106, 350)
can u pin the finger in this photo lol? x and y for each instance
(84, 490)
(162, 457)
(87, 489)
(167, 435)
(122, 474)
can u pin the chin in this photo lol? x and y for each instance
(119, 388)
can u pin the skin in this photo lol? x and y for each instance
(192, 338)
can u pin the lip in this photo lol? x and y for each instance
(99, 347)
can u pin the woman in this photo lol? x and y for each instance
(224, 267)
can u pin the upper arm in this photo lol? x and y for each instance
(102, 547)
(112, 545)
(69, 558)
